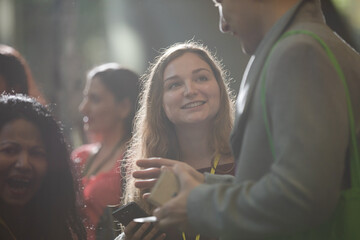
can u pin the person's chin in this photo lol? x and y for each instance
(247, 49)
(12, 202)
(93, 129)
(249, 45)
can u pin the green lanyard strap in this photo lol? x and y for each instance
(354, 154)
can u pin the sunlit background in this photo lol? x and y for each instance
(63, 39)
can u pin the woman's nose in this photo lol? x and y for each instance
(23, 161)
(190, 89)
(223, 26)
(83, 106)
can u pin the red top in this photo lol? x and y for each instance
(98, 191)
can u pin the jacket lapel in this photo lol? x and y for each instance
(252, 75)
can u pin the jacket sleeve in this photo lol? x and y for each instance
(308, 120)
(215, 178)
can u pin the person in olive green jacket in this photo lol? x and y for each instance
(294, 185)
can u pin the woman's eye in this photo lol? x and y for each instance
(38, 153)
(9, 150)
(173, 85)
(203, 78)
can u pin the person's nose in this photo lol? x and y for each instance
(23, 161)
(190, 89)
(83, 106)
(223, 26)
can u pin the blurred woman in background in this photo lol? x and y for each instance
(15, 74)
(108, 106)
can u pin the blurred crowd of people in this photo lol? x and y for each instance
(273, 163)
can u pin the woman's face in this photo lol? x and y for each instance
(191, 92)
(99, 107)
(23, 162)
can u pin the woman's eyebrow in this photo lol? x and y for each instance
(6, 142)
(200, 69)
(194, 71)
(171, 78)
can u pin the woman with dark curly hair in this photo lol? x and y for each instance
(38, 190)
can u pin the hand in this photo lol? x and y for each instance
(147, 178)
(145, 231)
(174, 212)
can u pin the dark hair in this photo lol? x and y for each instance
(16, 73)
(53, 211)
(121, 82)
(14, 70)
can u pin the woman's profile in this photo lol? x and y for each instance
(108, 108)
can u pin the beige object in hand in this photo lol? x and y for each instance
(166, 187)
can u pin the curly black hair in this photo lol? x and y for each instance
(53, 213)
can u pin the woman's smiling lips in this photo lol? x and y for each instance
(193, 104)
(19, 185)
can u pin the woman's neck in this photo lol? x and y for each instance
(111, 137)
(194, 146)
(12, 217)
(112, 145)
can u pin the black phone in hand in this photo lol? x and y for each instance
(126, 213)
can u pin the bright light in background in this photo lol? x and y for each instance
(341, 4)
(126, 46)
(125, 43)
(7, 20)
(350, 8)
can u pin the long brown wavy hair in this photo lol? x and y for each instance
(154, 134)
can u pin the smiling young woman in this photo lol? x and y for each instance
(186, 114)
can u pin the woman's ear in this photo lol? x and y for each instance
(124, 108)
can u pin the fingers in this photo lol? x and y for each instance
(149, 176)
(173, 213)
(140, 232)
(130, 229)
(162, 236)
(134, 232)
(147, 173)
(145, 184)
(146, 195)
(155, 230)
(186, 174)
(170, 221)
(155, 162)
